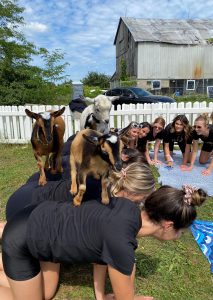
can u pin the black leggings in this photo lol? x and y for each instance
(17, 260)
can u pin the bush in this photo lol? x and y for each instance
(193, 98)
(92, 91)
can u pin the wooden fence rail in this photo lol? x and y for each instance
(16, 127)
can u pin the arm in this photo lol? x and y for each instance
(122, 285)
(193, 155)
(156, 149)
(99, 277)
(186, 155)
(146, 153)
(167, 155)
(208, 170)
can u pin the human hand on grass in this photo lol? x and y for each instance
(157, 162)
(151, 162)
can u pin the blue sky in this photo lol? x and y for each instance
(85, 29)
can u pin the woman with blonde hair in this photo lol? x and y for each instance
(204, 131)
(129, 135)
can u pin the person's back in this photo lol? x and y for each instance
(53, 228)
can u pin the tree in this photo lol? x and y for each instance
(20, 81)
(123, 67)
(97, 80)
(53, 69)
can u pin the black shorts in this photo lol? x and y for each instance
(17, 260)
(207, 147)
(182, 146)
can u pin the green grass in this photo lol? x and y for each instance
(166, 270)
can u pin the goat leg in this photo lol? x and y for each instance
(46, 165)
(104, 193)
(81, 189)
(58, 162)
(42, 178)
(53, 164)
(73, 188)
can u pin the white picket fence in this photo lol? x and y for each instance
(16, 127)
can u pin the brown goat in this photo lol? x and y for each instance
(47, 138)
(93, 153)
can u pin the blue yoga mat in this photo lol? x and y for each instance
(203, 234)
(175, 177)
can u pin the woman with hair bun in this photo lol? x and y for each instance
(204, 131)
(40, 237)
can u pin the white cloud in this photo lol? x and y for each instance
(35, 26)
(85, 29)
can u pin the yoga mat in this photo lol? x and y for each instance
(203, 234)
(175, 177)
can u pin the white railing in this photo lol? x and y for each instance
(16, 127)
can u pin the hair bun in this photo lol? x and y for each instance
(198, 197)
(193, 195)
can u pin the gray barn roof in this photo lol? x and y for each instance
(188, 32)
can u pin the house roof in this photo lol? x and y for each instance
(188, 32)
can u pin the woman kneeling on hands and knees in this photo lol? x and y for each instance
(178, 131)
(41, 236)
(204, 131)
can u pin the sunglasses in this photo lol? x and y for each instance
(158, 127)
(198, 127)
(136, 125)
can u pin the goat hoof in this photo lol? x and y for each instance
(42, 182)
(105, 201)
(76, 201)
(73, 192)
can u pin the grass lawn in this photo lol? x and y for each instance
(167, 271)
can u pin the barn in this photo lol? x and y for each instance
(170, 54)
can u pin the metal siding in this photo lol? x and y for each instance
(172, 31)
(166, 61)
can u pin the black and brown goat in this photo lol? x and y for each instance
(47, 139)
(93, 153)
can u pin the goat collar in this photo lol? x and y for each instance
(96, 120)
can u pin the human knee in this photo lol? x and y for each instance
(48, 295)
(202, 161)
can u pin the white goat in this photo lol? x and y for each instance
(96, 115)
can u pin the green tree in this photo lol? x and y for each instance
(123, 72)
(95, 79)
(53, 70)
(20, 81)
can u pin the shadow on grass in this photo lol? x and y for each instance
(146, 265)
(81, 274)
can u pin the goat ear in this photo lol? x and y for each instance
(91, 100)
(91, 139)
(112, 98)
(58, 112)
(31, 114)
